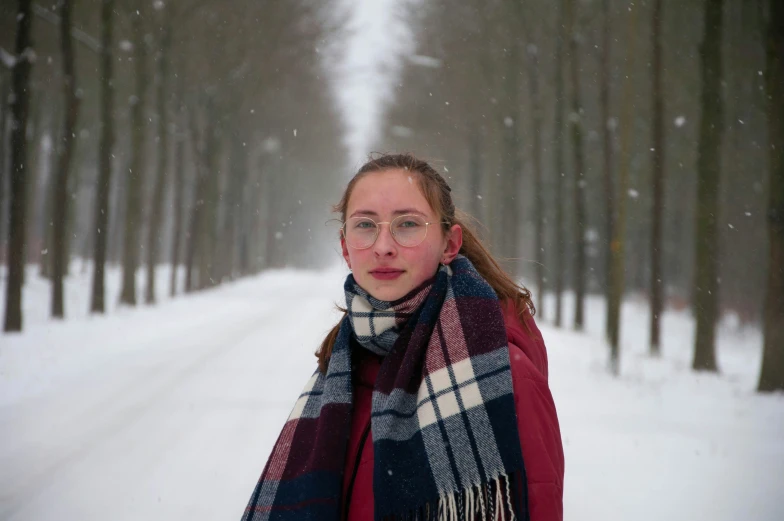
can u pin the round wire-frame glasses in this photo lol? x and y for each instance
(362, 238)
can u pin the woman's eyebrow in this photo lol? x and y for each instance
(402, 211)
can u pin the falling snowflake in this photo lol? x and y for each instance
(680, 121)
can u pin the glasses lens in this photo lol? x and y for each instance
(409, 230)
(361, 232)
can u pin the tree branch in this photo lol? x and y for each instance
(77, 34)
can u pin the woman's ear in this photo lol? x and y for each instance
(454, 241)
(345, 250)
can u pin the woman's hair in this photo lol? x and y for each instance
(439, 196)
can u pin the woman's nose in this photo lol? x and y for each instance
(385, 244)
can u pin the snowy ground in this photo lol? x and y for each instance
(170, 412)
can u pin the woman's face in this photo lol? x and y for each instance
(388, 270)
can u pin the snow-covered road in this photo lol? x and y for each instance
(170, 412)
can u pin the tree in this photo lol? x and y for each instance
(178, 187)
(657, 157)
(618, 241)
(536, 121)
(135, 176)
(510, 202)
(579, 168)
(101, 215)
(20, 92)
(607, 148)
(708, 177)
(51, 196)
(196, 221)
(559, 174)
(772, 372)
(60, 214)
(156, 211)
(4, 92)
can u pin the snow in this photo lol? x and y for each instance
(425, 61)
(7, 59)
(169, 412)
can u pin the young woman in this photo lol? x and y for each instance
(431, 398)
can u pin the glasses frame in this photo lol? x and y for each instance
(378, 231)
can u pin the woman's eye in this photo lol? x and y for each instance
(364, 225)
(409, 224)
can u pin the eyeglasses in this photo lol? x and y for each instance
(407, 230)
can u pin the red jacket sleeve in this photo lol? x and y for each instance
(537, 421)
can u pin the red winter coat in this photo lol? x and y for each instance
(540, 436)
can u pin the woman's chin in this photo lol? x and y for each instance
(387, 291)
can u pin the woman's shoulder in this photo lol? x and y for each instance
(527, 352)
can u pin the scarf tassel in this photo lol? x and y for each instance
(491, 501)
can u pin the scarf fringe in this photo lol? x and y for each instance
(491, 501)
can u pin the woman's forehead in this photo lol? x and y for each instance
(394, 192)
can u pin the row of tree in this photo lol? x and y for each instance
(630, 146)
(201, 134)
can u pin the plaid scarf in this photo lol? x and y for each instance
(443, 419)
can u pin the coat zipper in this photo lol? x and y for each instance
(350, 492)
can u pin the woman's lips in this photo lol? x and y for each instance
(386, 274)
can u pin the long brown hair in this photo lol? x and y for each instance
(439, 196)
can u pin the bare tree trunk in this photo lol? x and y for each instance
(657, 301)
(708, 178)
(209, 239)
(618, 240)
(257, 218)
(104, 160)
(4, 92)
(271, 185)
(20, 81)
(559, 173)
(579, 170)
(536, 134)
(71, 104)
(609, 199)
(510, 215)
(178, 189)
(772, 371)
(118, 209)
(154, 235)
(135, 175)
(48, 211)
(39, 106)
(237, 180)
(76, 178)
(194, 235)
(193, 246)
